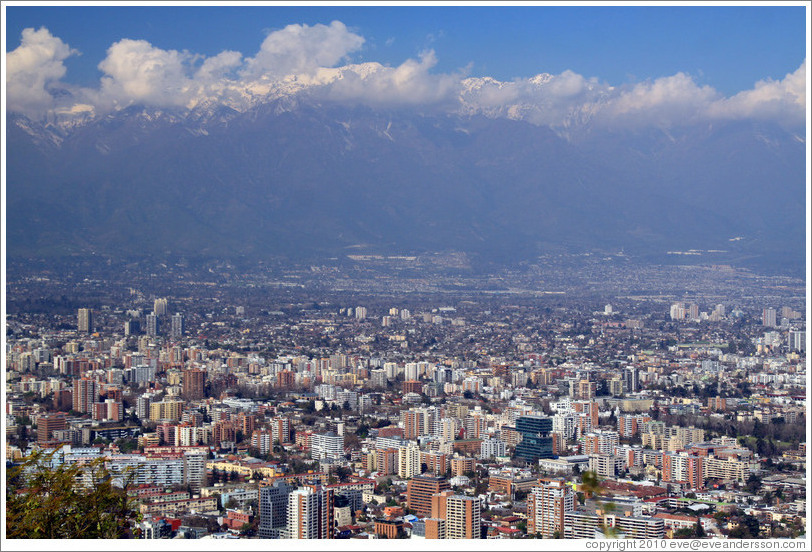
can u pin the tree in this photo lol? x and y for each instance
(590, 483)
(753, 483)
(127, 445)
(343, 472)
(684, 533)
(748, 528)
(46, 502)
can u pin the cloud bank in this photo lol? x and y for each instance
(315, 60)
(32, 68)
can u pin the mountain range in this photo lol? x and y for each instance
(304, 179)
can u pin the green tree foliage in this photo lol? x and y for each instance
(590, 483)
(753, 483)
(127, 445)
(45, 502)
(215, 476)
(699, 532)
(748, 528)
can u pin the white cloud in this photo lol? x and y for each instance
(678, 101)
(667, 101)
(302, 58)
(137, 72)
(783, 100)
(31, 67)
(298, 49)
(410, 83)
(218, 66)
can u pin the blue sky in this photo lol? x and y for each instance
(729, 48)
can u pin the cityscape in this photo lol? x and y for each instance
(344, 288)
(286, 407)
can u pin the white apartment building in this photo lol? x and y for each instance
(409, 460)
(328, 446)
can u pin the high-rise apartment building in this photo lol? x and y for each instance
(687, 469)
(631, 379)
(142, 406)
(310, 513)
(327, 446)
(768, 317)
(547, 505)
(410, 371)
(280, 428)
(615, 386)
(194, 384)
(589, 408)
(85, 324)
(194, 469)
(166, 410)
(630, 425)
(601, 442)
(109, 410)
(797, 340)
(409, 461)
(436, 462)
(262, 440)
(85, 394)
(286, 379)
(419, 491)
(586, 389)
(159, 307)
(273, 509)
(492, 447)
(463, 517)
(132, 327)
(417, 422)
(152, 325)
(177, 326)
(439, 503)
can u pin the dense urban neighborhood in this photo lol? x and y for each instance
(310, 404)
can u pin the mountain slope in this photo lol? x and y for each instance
(306, 180)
